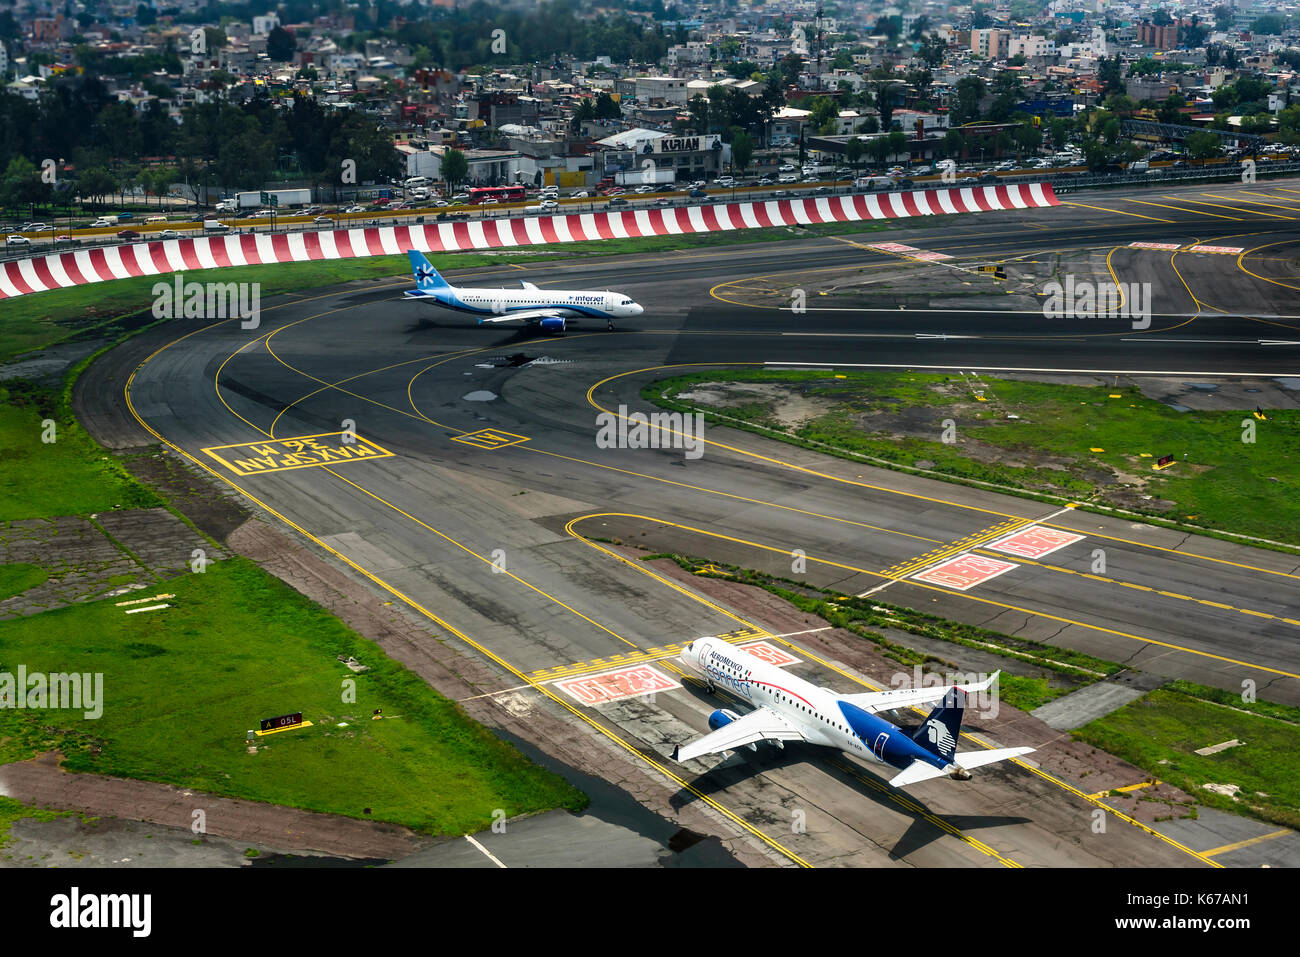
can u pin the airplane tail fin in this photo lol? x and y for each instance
(939, 732)
(427, 279)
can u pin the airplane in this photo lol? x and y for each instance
(788, 708)
(548, 309)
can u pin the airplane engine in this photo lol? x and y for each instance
(552, 324)
(721, 718)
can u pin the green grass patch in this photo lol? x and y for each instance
(70, 475)
(16, 578)
(11, 812)
(1226, 484)
(182, 687)
(1168, 725)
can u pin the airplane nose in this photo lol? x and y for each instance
(639, 309)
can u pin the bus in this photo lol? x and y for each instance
(502, 194)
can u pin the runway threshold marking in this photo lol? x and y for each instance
(968, 735)
(598, 726)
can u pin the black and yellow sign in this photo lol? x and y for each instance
(285, 722)
(305, 451)
(490, 439)
(1163, 462)
(997, 271)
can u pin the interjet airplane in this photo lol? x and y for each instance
(548, 309)
(787, 708)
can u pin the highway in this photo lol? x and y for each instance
(487, 509)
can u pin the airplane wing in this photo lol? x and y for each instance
(527, 315)
(920, 771)
(763, 724)
(873, 701)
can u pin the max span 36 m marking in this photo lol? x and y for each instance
(306, 451)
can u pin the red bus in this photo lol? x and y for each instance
(502, 194)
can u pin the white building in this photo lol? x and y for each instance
(265, 24)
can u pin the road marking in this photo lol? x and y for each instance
(1214, 852)
(492, 857)
(1118, 212)
(286, 455)
(490, 439)
(611, 686)
(1035, 542)
(964, 572)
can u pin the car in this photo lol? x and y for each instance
(618, 201)
(169, 234)
(967, 179)
(355, 209)
(785, 168)
(17, 240)
(644, 189)
(312, 211)
(822, 189)
(323, 221)
(698, 194)
(64, 238)
(843, 171)
(549, 204)
(698, 184)
(125, 216)
(1180, 164)
(615, 191)
(452, 216)
(127, 234)
(727, 182)
(787, 178)
(399, 206)
(766, 181)
(582, 194)
(156, 219)
(923, 171)
(380, 201)
(663, 201)
(440, 203)
(988, 177)
(490, 201)
(32, 227)
(260, 214)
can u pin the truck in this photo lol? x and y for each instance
(286, 198)
(645, 176)
(214, 226)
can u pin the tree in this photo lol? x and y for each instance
(970, 90)
(454, 167)
(742, 149)
(1202, 145)
(855, 148)
(1171, 108)
(933, 49)
(280, 45)
(1270, 24)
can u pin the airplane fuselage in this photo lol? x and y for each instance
(574, 303)
(821, 716)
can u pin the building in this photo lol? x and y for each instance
(670, 89)
(1032, 46)
(1161, 38)
(991, 44)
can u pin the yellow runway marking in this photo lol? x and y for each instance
(1183, 209)
(1126, 789)
(1238, 209)
(1214, 852)
(1118, 212)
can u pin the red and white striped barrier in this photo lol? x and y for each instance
(101, 264)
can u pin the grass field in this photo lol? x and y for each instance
(182, 686)
(18, 577)
(69, 476)
(11, 812)
(1250, 488)
(1169, 724)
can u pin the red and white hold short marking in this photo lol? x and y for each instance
(964, 571)
(770, 653)
(1035, 541)
(1170, 246)
(616, 685)
(1222, 250)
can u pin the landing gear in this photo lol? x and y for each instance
(609, 325)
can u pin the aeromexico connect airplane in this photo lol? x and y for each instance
(548, 309)
(790, 709)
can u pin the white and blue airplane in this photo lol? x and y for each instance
(548, 309)
(787, 708)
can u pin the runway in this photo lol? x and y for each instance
(483, 501)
